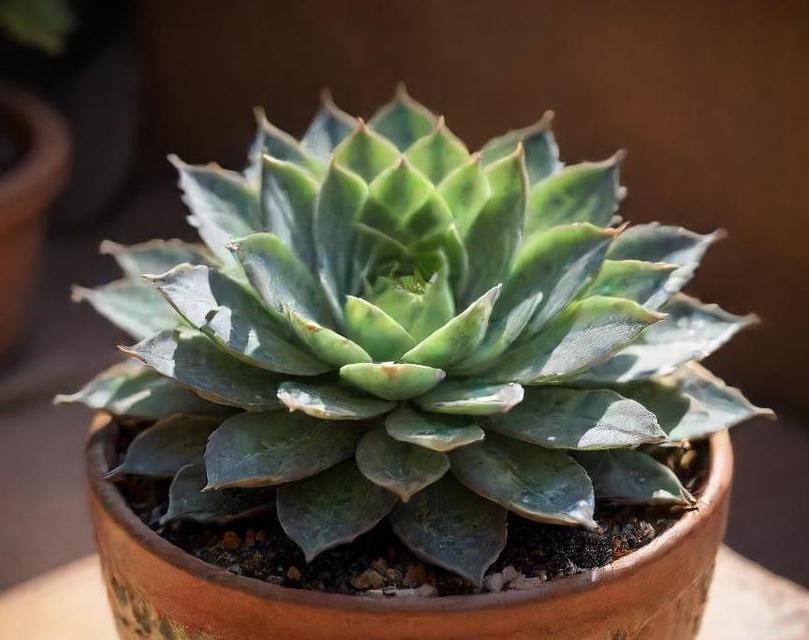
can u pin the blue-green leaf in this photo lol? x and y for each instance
(466, 190)
(439, 153)
(330, 127)
(541, 150)
(270, 140)
(155, 256)
(471, 397)
(328, 345)
(403, 120)
(375, 331)
(392, 381)
(432, 430)
(331, 402)
(644, 282)
(366, 153)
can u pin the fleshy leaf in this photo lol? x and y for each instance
(431, 430)
(402, 468)
(331, 508)
(626, 476)
(188, 501)
(271, 448)
(644, 282)
(329, 346)
(494, 236)
(438, 154)
(456, 338)
(420, 307)
(471, 397)
(586, 192)
(579, 419)
(390, 380)
(164, 448)
(447, 511)
(466, 190)
(366, 153)
(403, 120)
(536, 483)
(192, 360)
(330, 127)
(691, 331)
(331, 402)
(154, 256)
(541, 150)
(228, 313)
(131, 389)
(279, 277)
(375, 331)
(584, 334)
(130, 305)
(270, 140)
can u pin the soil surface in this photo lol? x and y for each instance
(377, 564)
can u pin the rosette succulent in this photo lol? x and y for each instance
(383, 325)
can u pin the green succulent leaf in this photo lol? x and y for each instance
(164, 448)
(466, 190)
(691, 331)
(446, 511)
(471, 397)
(132, 306)
(375, 331)
(536, 483)
(188, 501)
(626, 476)
(193, 361)
(270, 140)
(155, 256)
(438, 154)
(331, 402)
(222, 205)
(274, 447)
(419, 306)
(461, 335)
(541, 150)
(403, 120)
(366, 153)
(279, 277)
(579, 419)
(390, 380)
(130, 389)
(230, 315)
(431, 430)
(328, 345)
(586, 333)
(494, 235)
(330, 127)
(644, 282)
(586, 192)
(331, 508)
(402, 468)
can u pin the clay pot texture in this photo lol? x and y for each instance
(156, 590)
(26, 191)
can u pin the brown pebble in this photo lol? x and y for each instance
(416, 575)
(249, 538)
(261, 535)
(494, 582)
(293, 573)
(231, 540)
(368, 579)
(393, 574)
(380, 565)
(510, 574)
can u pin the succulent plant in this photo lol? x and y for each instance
(457, 335)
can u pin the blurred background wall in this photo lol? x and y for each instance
(709, 97)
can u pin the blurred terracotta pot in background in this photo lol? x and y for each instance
(158, 591)
(37, 148)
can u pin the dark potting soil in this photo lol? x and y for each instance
(376, 563)
(13, 143)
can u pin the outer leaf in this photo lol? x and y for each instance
(447, 511)
(432, 431)
(164, 448)
(584, 334)
(471, 397)
(366, 153)
(132, 306)
(331, 508)
(404, 469)
(228, 313)
(403, 120)
(280, 279)
(331, 402)
(270, 140)
(329, 128)
(644, 282)
(586, 192)
(541, 150)
(456, 338)
(154, 256)
(692, 331)
(188, 501)
(375, 331)
(579, 419)
(192, 360)
(130, 389)
(392, 381)
(264, 449)
(288, 196)
(494, 236)
(625, 476)
(439, 153)
(536, 483)
(466, 190)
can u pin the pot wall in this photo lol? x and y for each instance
(158, 591)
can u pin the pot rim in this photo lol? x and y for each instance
(718, 481)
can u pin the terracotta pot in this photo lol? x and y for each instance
(26, 191)
(158, 591)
